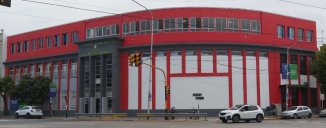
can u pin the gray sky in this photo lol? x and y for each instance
(26, 16)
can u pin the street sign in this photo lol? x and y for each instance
(199, 98)
(293, 71)
(53, 92)
(284, 71)
(322, 97)
(196, 94)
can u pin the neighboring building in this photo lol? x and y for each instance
(231, 56)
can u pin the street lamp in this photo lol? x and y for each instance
(150, 70)
(288, 63)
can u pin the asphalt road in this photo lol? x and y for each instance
(134, 123)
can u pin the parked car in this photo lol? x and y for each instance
(297, 112)
(29, 112)
(322, 113)
(242, 112)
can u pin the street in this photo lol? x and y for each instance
(134, 123)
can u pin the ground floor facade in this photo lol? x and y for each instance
(98, 79)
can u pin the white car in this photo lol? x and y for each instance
(242, 112)
(322, 113)
(28, 112)
(297, 112)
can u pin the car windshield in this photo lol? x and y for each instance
(35, 108)
(236, 107)
(293, 108)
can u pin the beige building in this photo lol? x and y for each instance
(2, 52)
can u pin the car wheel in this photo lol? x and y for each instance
(224, 120)
(39, 117)
(309, 115)
(28, 116)
(259, 118)
(236, 119)
(247, 121)
(295, 116)
(16, 116)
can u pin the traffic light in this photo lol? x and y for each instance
(131, 59)
(5, 3)
(138, 59)
(167, 90)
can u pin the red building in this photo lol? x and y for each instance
(230, 56)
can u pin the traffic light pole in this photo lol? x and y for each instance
(165, 85)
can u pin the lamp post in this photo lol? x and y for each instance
(288, 63)
(150, 70)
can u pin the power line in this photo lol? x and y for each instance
(22, 14)
(308, 5)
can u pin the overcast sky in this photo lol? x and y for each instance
(26, 16)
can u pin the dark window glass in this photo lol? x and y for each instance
(49, 41)
(167, 25)
(25, 46)
(12, 48)
(280, 31)
(34, 44)
(237, 53)
(245, 25)
(65, 38)
(300, 34)
(252, 108)
(137, 27)
(291, 33)
(56, 40)
(303, 65)
(198, 23)
(294, 59)
(18, 47)
(309, 36)
(40, 42)
(283, 60)
(185, 24)
(75, 36)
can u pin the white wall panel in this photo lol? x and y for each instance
(313, 82)
(264, 82)
(303, 79)
(145, 84)
(237, 79)
(176, 64)
(191, 64)
(251, 80)
(284, 81)
(206, 64)
(222, 63)
(132, 88)
(214, 89)
(160, 91)
(295, 81)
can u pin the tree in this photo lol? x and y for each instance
(7, 85)
(32, 91)
(319, 68)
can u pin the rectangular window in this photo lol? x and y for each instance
(221, 24)
(309, 36)
(75, 36)
(137, 27)
(18, 47)
(300, 34)
(192, 24)
(255, 26)
(179, 24)
(303, 65)
(208, 24)
(49, 41)
(12, 51)
(167, 25)
(245, 25)
(65, 38)
(34, 44)
(90, 33)
(233, 24)
(40, 42)
(198, 24)
(280, 31)
(114, 29)
(25, 46)
(291, 33)
(98, 32)
(156, 25)
(172, 24)
(185, 22)
(125, 28)
(145, 26)
(56, 40)
(106, 30)
(132, 28)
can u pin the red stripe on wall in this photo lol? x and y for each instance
(124, 77)
(68, 84)
(139, 87)
(230, 77)
(199, 60)
(59, 84)
(214, 61)
(168, 77)
(244, 67)
(183, 61)
(258, 77)
(154, 81)
(274, 77)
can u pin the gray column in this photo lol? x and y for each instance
(103, 76)
(92, 77)
(81, 105)
(115, 81)
(81, 77)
